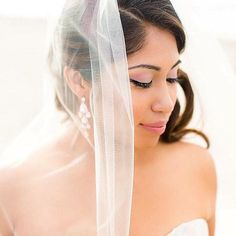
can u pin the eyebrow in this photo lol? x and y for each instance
(152, 67)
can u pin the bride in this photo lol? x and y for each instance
(115, 162)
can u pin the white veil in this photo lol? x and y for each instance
(94, 144)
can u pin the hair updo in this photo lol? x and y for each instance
(135, 14)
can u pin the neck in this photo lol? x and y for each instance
(74, 141)
(145, 155)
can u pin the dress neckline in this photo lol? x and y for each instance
(187, 222)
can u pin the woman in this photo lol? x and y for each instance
(119, 167)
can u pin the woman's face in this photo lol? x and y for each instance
(153, 75)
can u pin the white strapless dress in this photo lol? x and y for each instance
(196, 227)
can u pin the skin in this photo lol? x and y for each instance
(177, 181)
(157, 161)
(156, 103)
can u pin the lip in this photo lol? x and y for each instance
(158, 127)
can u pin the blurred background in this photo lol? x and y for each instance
(23, 40)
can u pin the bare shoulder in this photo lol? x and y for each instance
(194, 154)
(19, 172)
(18, 176)
(6, 228)
(200, 165)
(198, 159)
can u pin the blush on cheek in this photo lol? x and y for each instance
(139, 104)
(136, 115)
(173, 95)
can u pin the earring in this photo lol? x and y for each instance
(84, 115)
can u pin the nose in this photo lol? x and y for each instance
(164, 100)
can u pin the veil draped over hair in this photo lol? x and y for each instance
(79, 163)
(95, 150)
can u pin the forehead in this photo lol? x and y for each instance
(159, 49)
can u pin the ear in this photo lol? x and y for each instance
(75, 81)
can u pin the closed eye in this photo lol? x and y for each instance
(172, 80)
(142, 85)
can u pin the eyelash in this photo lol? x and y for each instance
(172, 80)
(139, 84)
(148, 85)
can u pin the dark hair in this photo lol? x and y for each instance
(135, 14)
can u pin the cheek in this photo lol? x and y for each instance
(173, 93)
(139, 102)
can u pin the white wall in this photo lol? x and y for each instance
(22, 54)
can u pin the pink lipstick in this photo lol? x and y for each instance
(157, 127)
